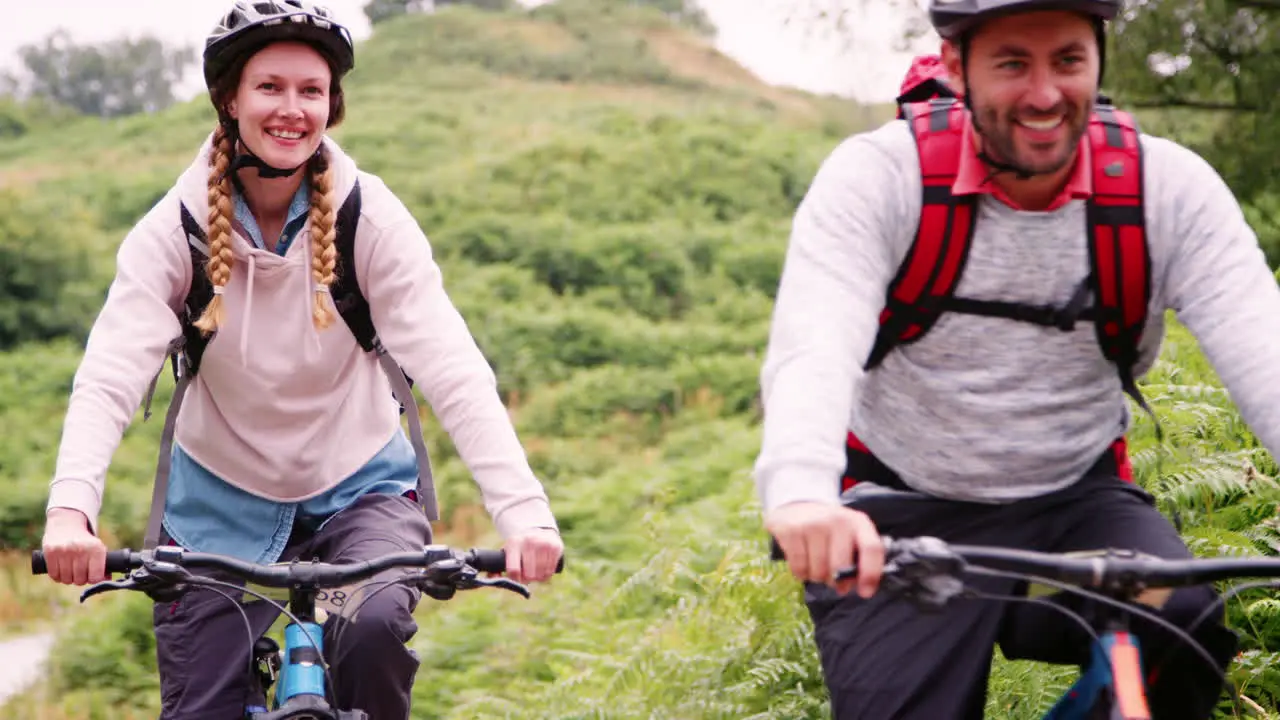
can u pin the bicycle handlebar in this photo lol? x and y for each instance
(316, 573)
(928, 572)
(1111, 570)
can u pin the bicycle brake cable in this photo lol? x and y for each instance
(330, 687)
(340, 631)
(248, 627)
(1076, 617)
(408, 578)
(1204, 615)
(1099, 597)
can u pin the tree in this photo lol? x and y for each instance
(1214, 64)
(684, 12)
(379, 10)
(118, 77)
(901, 22)
(46, 286)
(481, 4)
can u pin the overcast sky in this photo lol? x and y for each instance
(750, 31)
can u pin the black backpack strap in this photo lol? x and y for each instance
(354, 309)
(199, 295)
(185, 353)
(347, 297)
(929, 274)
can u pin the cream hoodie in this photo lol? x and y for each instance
(280, 409)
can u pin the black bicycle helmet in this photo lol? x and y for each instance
(953, 18)
(248, 26)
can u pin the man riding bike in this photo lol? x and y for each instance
(290, 445)
(987, 430)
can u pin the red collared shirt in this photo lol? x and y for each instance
(971, 177)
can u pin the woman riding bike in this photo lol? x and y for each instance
(289, 444)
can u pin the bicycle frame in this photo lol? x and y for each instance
(300, 686)
(1113, 677)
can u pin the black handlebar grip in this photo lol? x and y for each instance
(490, 561)
(495, 561)
(117, 562)
(775, 550)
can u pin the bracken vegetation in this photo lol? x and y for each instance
(610, 200)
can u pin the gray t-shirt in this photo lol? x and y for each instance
(991, 409)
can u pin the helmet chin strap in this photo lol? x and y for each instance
(247, 158)
(265, 171)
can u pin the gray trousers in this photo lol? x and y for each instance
(203, 648)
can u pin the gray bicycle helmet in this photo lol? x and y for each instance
(953, 18)
(250, 25)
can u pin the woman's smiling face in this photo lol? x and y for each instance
(282, 103)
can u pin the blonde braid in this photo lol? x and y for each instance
(324, 256)
(220, 213)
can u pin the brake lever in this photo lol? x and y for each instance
(926, 572)
(443, 579)
(107, 586)
(164, 586)
(501, 582)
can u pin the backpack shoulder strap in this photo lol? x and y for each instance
(932, 268)
(351, 304)
(347, 296)
(1118, 249)
(189, 346)
(184, 353)
(199, 294)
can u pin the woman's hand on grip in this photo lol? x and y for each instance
(73, 554)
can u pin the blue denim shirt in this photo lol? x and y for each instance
(206, 514)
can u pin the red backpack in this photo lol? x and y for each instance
(924, 287)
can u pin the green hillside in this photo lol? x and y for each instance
(609, 199)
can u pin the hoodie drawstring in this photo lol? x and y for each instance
(248, 310)
(311, 287)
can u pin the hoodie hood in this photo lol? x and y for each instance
(261, 266)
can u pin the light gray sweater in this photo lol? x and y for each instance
(990, 409)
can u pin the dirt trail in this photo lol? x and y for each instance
(21, 660)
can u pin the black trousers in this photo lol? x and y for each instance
(885, 659)
(203, 649)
